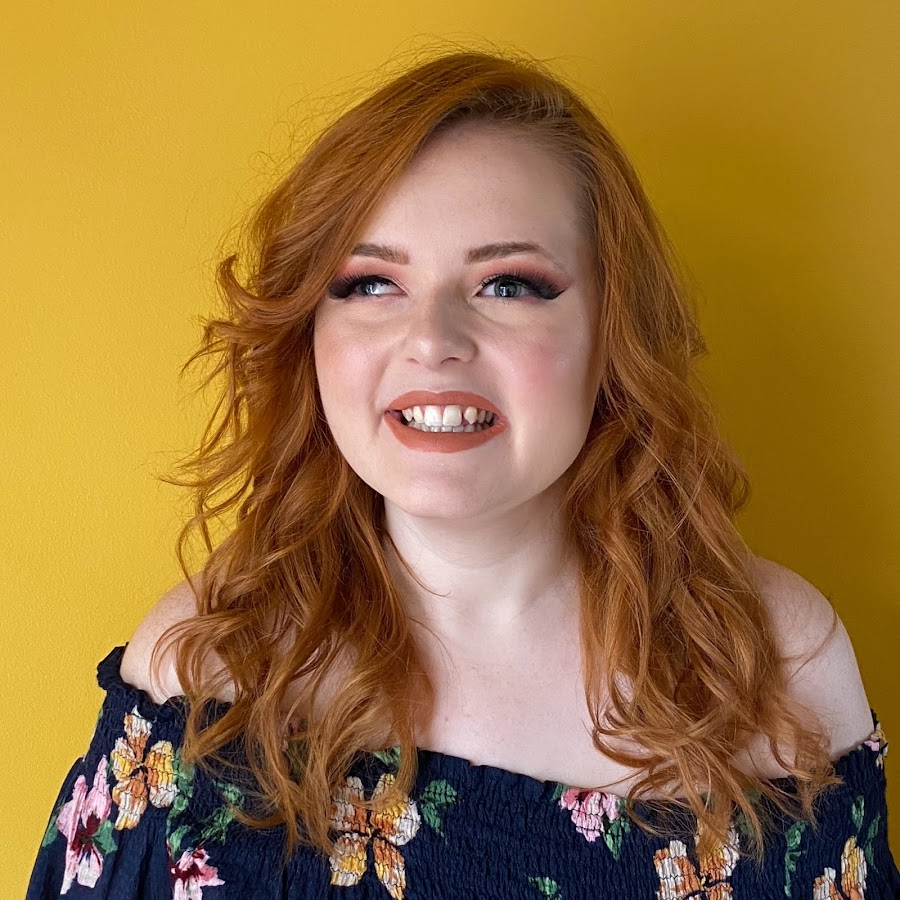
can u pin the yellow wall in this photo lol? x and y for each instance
(134, 135)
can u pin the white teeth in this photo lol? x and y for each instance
(452, 416)
(448, 418)
(448, 428)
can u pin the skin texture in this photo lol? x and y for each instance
(479, 527)
(534, 723)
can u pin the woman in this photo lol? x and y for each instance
(484, 626)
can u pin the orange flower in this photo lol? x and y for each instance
(679, 879)
(386, 828)
(853, 876)
(141, 778)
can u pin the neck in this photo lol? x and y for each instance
(498, 574)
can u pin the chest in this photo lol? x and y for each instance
(524, 712)
(529, 714)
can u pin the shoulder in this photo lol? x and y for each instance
(821, 665)
(176, 605)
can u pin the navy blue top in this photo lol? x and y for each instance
(130, 822)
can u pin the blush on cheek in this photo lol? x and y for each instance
(350, 375)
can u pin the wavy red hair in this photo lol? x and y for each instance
(667, 596)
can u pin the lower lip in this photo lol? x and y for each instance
(440, 441)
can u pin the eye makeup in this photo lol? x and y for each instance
(539, 286)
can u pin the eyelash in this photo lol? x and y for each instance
(546, 290)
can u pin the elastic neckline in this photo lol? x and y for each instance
(434, 763)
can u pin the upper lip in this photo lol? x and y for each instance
(443, 398)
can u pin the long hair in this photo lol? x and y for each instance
(300, 585)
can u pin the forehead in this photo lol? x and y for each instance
(478, 183)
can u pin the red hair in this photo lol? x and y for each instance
(666, 593)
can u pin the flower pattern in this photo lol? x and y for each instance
(879, 744)
(595, 814)
(82, 821)
(679, 878)
(450, 816)
(141, 778)
(191, 873)
(853, 876)
(591, 811)
(386, 829)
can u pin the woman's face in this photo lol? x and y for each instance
(425, 304)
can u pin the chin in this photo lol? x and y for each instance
(433, 507)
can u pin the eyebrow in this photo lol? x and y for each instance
(473, 255)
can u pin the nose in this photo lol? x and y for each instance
(437, 329)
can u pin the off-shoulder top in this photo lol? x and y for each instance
(131, 822)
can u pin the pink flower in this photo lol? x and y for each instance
(79, 820)
(191, 873)
(878, 743)
(589, 810)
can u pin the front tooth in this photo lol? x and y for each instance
(418, 415)
(471, 415)
(452, 416)
(433, 415)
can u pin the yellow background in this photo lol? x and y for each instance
(135, 135)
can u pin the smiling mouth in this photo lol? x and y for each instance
(464, 428)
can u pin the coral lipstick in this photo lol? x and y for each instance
(442, 441)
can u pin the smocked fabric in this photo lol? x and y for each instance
(130, 821)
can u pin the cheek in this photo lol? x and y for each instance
(552, 372)
(343, 367)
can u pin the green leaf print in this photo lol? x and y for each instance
(390, 757)
(175, 839)
(104, 839)
(52, 831)
(558, 791)
(437, 794)
(859, 806)
(793, 837)
(614, 833)
(742, 823)
(216, 824)
(741, 819)
(184, 787)
(547, 886)
(870, 837)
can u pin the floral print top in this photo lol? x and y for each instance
(132, 822)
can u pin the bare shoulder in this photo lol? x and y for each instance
(822, 668)
(176, 605)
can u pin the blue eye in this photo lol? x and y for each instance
(538, 286)
(344, 287)
(349, 285)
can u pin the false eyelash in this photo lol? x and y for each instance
(342, 287)
(541, 286)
